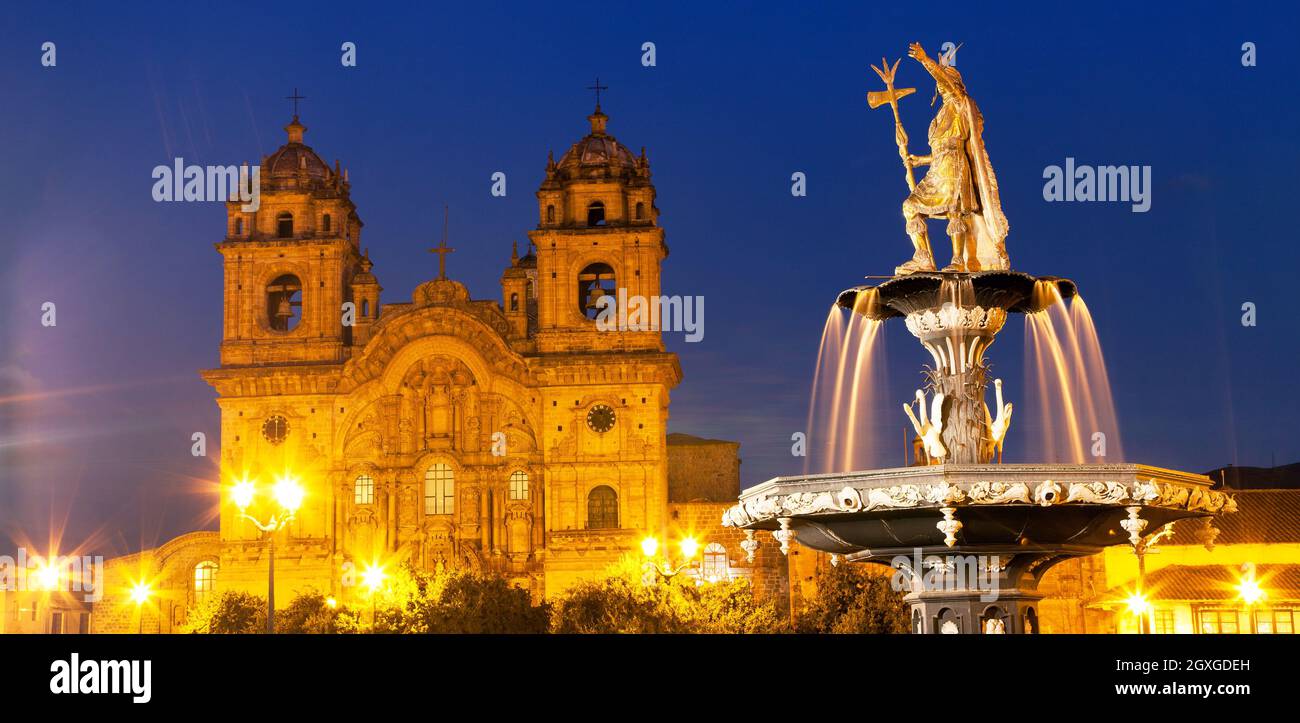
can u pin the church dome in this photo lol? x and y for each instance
(295, 160)
(597, 155)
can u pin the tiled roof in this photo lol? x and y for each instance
(1262, 516)
(1214, 583)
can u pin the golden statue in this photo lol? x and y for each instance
(959, 185)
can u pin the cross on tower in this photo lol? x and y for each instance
(295, 98)
(442, 249)
(598, 87)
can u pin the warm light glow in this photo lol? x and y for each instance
(288, 493)
(47, 576)
(140, 592)
(373, 577)
(649, 546)
(1250, 591)
(330, 601)
(242, 493)
(689, 547)
(1138, 604)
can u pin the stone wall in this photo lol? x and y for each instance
(703, 469)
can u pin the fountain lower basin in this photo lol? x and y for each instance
(1017, 520)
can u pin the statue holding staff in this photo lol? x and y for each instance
(959, 185)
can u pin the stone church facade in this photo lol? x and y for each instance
(509, 436)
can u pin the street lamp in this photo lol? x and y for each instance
(373, 578)
(288, 495)
(1140, 607)
(1250, 592)
(140, 593)
(664, 568)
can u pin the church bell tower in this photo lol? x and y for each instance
(598, 234)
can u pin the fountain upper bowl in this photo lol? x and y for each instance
(1014, 291)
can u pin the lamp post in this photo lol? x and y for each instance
(373, 578)
(664, 567)
(1138, 603)
(1250, 592)
(288, 496)
(140, 593)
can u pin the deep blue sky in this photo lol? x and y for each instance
(742, 96)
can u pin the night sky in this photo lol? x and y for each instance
(96, 414)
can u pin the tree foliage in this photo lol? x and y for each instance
(230, 612)
(854, 599)
(625, 601)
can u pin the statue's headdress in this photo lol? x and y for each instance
(949, 71)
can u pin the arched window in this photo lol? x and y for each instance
(284, 302)
(365, 307)
(363, 490)
(439, 490)
(595, 281)
(514, 302)
(602, 508)
(640, 211)
(715, 565)
(205, 579)
(519, 485)
(596, 214)
(325, 223)
(550, 214)
(239, 227)
(284, 225)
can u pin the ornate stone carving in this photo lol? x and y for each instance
(896, 496)
(1108, 493)
(949, 526)
(999, 493)
(785, 535)
(1134, 525)
(1047, 493)
(749, 545)
(950, 316)
(944, 493)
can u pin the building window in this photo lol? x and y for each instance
(519, 485)
(284, 302)
(284, 225)
(595, 281)
(56, 623)
(550, 214)
(1219, 621)
(596, 214)
(239, 227)
(1164, 620)
(715, 566)
(363, 490)
(514, 302)
(365, 308)
(325, 223)
(439, 490)
(205, 578)
(1279, 621)
(640, 211)
(602, 508)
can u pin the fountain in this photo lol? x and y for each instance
(970, 537)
